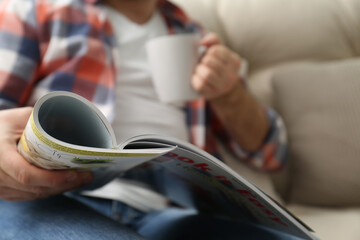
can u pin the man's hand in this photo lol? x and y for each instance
(20, 180)
(217, 72)
(216, 78)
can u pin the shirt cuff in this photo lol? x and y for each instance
(272, 153)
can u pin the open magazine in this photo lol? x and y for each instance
(67, 131)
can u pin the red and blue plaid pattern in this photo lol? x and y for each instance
(48, 45)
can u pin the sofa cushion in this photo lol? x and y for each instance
(330, 223)
(320, 104)
(276, 31)
(272, 32)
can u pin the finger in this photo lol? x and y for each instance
(224, 71)
(221, 53)
(10, 194)
(21, 116)
(236, 61)
(228, 58)
(205, 90)
(9, 182)
(26, 192)
(213, 63)
(29, 175)
(210, 39)
(209, 77)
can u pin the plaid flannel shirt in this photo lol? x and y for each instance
(48, 45)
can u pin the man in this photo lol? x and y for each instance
(73, 46)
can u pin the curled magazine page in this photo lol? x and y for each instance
(67, 131)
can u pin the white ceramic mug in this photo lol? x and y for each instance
(172, 60)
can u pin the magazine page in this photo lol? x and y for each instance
(67, 131)
(212, 187)
(133, 193)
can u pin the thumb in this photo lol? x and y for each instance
(13, 122)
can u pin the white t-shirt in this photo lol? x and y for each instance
(138, 109)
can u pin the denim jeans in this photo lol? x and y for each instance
(60, 218)
(73, 217)
(57, 218)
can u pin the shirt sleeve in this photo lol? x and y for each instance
(273, 152)
(19, 51)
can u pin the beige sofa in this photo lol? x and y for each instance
(304, 60)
